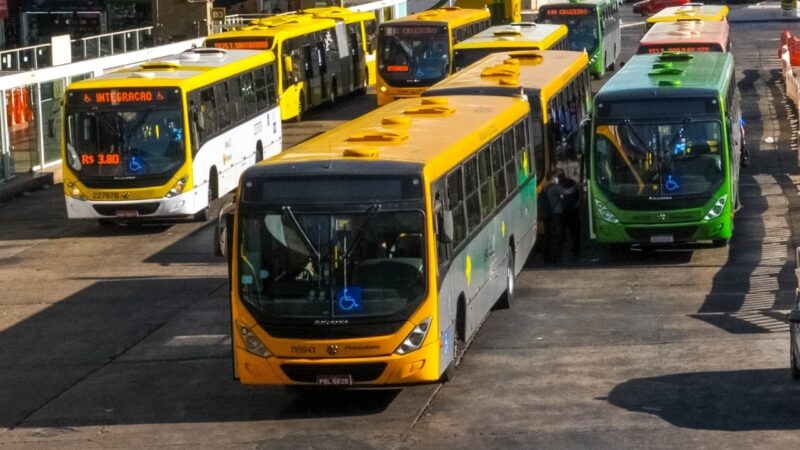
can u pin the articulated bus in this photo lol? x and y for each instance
(686, 36)
(689, 11)
(556, 83)
(372, 253)
(502, 11)
(665, 151)
(594, 27)
(318, 60)
(415, 51)
(362, 30)
(166, 138)
(506, 38)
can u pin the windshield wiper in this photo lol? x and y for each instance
(310, 245)
(362, 229)
(635, 134)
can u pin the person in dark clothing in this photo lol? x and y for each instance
(571, 217)
(553, 210)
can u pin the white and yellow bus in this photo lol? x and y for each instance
(369, 255)
(166, 138)
(322, 56)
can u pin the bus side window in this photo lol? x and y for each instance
(487, 186)
(308, 69)
(536, 148)
(455, 203)
(471, 193)
(442, 250)
(523, 164)
(371, 29)
(262, 99)
(498, 167)
(271, 88)
(508, 153)
(236, 103)
(223, 109)
(248, 94)
(208, 109)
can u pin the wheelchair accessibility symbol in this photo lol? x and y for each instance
(135, 165)
(670, 184)
(349, 299)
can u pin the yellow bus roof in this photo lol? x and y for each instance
(453, 16)
(686, 30)
(690, 11)
(188, 70)
(435, 132)
(544, 71)
(280, 27)
(337, 12)
(525, 35)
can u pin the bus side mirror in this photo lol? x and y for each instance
(586, 136)
(288, 66)
(223, 231)
(198, 119)
(446, 228)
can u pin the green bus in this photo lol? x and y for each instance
(665, 151)
(594, 26)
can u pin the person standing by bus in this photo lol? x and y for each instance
(571, 217)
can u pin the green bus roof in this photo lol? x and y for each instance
(670, 74)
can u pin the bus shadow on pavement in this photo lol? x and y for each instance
(738, 400)
(144, 350)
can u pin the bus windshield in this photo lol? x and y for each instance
(582, 29)
(659, 159)
(418, 55)
(327, 265)
(125, 144)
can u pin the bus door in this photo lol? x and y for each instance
(338, 52)
(356, 52)
(316, 71)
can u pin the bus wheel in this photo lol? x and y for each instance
(504, 302)
(300, 104)
(364, 82)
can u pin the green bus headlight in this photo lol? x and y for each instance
(604, 212)
(716, 210)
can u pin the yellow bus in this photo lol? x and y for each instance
(415, 51)
(362, 30)
(515, 36)
(689, 11)
(369, 255)
(316, 60)
(166, 138)
(502, 11)
(557, 86)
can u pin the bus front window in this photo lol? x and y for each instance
(125, 144)
(408, 57)
(582, 33)
(299, 265)
(659, 159)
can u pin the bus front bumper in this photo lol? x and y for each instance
(672, 233)
(181, 205)
(419, 366)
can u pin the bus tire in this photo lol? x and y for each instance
(364, 83)
(504, 302)
(300, 104)
(259, 152)
(458, 338)
(204, 215)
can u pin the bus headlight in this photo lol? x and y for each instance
(383, 89)
(177, 188)
(716, 210)
(251, 342)
(75, 192)
(415, 339)
(604, 212)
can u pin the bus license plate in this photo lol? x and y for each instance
(662, 239)
(334, 380)
(127, 213)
